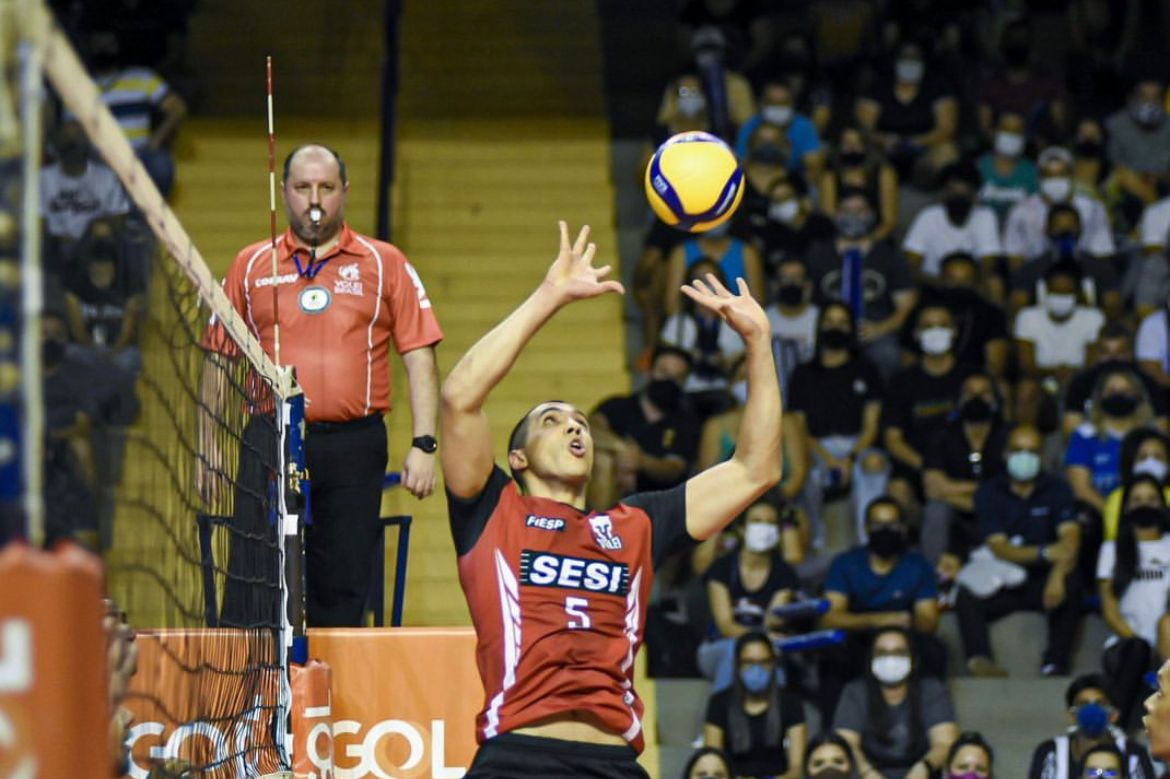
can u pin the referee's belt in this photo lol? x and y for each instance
(320, 428)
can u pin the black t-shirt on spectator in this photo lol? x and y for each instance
(949, 451)
(918, 403)
(663, 237)
(778, 242)
(913, 118)
(978, 322)
(675, 434)
(833, 399)
(1080, 387)
(884, 272)
(102, 309)
(759, 760)
(749, 607)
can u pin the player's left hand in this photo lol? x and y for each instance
(741, 312)
(418, 473)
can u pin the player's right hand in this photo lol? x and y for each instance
(572, 275)
(742, 312)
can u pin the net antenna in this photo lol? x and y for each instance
(272, 215)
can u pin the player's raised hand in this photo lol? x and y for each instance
(572, 276)
(741, 311)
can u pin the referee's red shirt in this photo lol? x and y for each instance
(335, 326)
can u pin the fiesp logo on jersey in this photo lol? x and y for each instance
(544, 569)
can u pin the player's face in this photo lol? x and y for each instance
(314, 181)
(559, 446)
(1157, 719)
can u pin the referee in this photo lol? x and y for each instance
(558, 592)
(343, 299)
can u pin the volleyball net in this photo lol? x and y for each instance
(186, 476)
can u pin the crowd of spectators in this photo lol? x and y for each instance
(957, 215)
(97, 255)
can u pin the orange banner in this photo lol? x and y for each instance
(404, 701)
(54, 675)
(312, 717)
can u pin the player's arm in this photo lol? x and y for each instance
(466, 454)
(422, 373)
(718, 494)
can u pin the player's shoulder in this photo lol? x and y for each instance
(253, 250)
(383, 251)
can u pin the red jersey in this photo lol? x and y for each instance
(335, 325)
(558, 598)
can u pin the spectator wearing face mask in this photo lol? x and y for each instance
(1026, 518)
(869, 276)
(1133, 576)
(650, 438)
(1144, 452)
(713, 345)
(856, 164)
(1021, 87)
(794, 317)
(755, 721)
(968, 452)
(764, 165)
(878, 585)
(1092, 727)
(74, 192)
(981, 335)
(1008, 176)
(970, 757)
(788, 226)
(1093, 458)
(708, 763)
(919, 401)
(914, 114)
(683, 109)
(104, 309)
(1052, 342)
(1090, 168)
(744, 586)
(1139, 145)
(955, 224)
(1100, 285)
(1113, 350)
(836, 400)
(1024, 236)
(828, 756)
(899, 723)
(778, 108)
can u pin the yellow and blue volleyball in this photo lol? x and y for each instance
(694, 182)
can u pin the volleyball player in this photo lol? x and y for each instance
(558, 592)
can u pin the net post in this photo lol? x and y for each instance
(32, 284)
(293, 505)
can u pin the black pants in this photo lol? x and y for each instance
(975, 614)
(1126, 664)
(841, 664)
(512, 756)
(347, 463)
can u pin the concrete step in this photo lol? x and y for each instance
(1018, 640)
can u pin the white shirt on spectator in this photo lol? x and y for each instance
(932, 236)
(1151, 340)
(1154, 226)
(680, 331)
(800, 329)
(1059, 343)
(1144, 600)
(69, 204)
(1024, 234)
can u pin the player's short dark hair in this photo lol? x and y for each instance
(1068, 269)
(852, 191)
(971, 738)
(1062, 209)
(962, 171)
(518, 439)
(1110, 748)
(1087, 682)
(828, 737)
(1114, 330)
(791, 179)
(964, 257)
(337, 157)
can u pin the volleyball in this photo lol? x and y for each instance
(694, 182)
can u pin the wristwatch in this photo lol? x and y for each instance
(426, 443)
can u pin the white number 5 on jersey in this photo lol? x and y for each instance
(578, 616)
